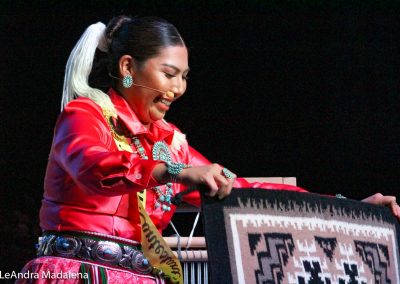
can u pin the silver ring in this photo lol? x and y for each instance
(227, 173)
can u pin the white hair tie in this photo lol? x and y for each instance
(79, 66)
(103, 42)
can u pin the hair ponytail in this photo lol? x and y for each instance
(141, 38)
(79, 66)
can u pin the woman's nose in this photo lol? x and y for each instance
(178, 88)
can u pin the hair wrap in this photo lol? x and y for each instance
(103, 42)
(115, 25)
(79, 65)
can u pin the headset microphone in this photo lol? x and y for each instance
(169, 94)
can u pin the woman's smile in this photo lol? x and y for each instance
(163, 103)
(166, 72)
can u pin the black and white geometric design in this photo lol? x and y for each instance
(328, 245)
(375, 256)
(271, 261)
(287, 237)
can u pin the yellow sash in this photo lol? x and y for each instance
(154, 248)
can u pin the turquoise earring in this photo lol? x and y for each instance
(127, 81)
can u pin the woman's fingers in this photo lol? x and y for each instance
(380, 199)
(387, 200)
(218, 179)
(226, 189)
(223, 185)
(395, 209)
(214, 186)
(220, 185)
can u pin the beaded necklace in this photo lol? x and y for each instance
(160, 152)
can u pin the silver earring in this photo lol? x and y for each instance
(127, 81)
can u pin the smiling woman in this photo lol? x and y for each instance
(115, 164)
(168, 71)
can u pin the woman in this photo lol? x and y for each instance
(109, 147)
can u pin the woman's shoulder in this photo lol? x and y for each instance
(82, 104)
(81, 110)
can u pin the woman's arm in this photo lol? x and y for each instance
(201, 163)
(84, 148)
(199, 159)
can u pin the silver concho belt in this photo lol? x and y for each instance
(100, 251)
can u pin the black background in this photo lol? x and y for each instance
(309, 90)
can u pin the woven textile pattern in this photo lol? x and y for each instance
(265, 236)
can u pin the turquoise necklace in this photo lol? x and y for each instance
(160, 152)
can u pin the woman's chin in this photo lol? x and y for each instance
(157, 116)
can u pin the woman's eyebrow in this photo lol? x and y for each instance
(174, 67)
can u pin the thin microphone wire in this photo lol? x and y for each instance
(146, 87)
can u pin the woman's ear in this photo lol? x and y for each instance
(126, 65)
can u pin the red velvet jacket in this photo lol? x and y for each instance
(90, 185)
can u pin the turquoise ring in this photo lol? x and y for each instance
(227, 173)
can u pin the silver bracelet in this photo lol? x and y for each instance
(174, 169)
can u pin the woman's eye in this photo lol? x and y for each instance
(185, 78)
(169, 76)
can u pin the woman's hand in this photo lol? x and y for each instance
(389, 201)
(212, 176)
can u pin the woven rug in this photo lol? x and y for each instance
(268, 236)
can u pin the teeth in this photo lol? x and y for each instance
(166, 102)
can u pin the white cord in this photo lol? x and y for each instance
(189, 242)
(178, 236)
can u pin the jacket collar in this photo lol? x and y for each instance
(158, 131)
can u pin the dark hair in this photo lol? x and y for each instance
(142, 38)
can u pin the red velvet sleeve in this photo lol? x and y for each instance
(243, 183)
(197, 159)
(84, 148)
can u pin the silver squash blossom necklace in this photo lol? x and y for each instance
(160, 152)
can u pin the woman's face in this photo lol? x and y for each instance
(165, 72)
